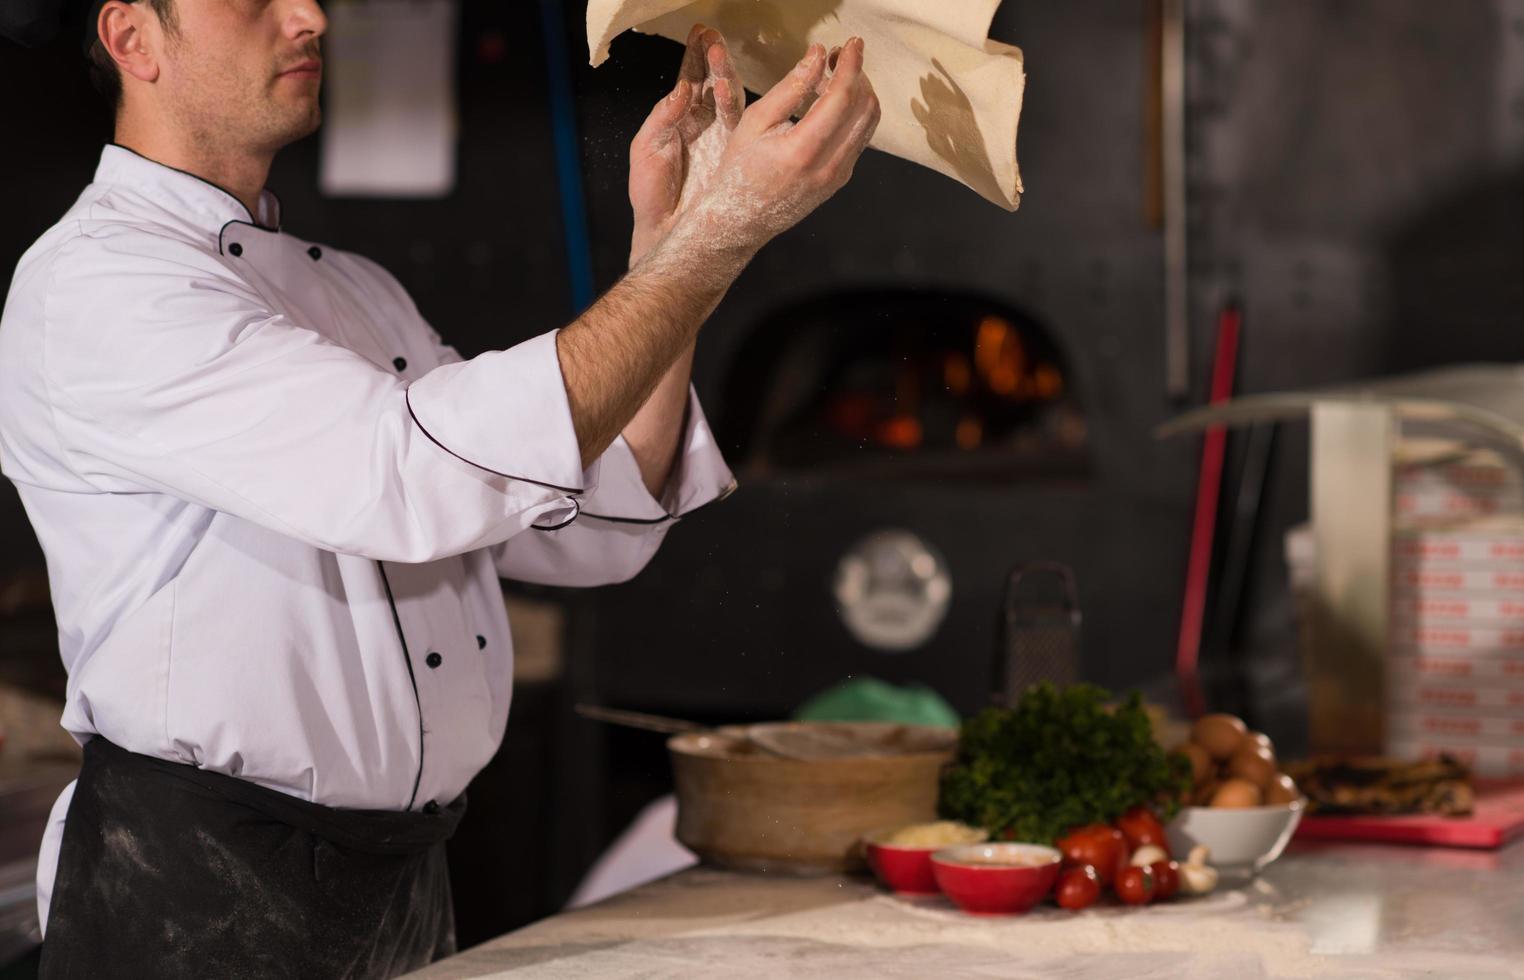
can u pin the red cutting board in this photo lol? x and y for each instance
(1499, 818)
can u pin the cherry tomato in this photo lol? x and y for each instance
(1166, 879)
(1140, 826)
(1078, 887)
(1135, 886)
(1102, 847)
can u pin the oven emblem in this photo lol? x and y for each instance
(892, 590)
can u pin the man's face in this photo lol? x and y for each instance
(244, 73)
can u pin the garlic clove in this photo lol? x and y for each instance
(1200, 854)
(1197, 879)
(1148, 854)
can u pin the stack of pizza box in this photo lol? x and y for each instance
(1455, 676)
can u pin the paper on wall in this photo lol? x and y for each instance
(951, 97)
(390, 127)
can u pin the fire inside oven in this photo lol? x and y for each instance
(903, 382)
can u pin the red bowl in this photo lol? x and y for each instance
(906, 870)
(996, 879)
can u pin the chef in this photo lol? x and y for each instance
(275, 505)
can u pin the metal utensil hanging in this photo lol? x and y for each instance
(1038, 635)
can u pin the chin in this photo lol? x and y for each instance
(313, 123)
(298, 128)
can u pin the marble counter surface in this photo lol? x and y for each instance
(1337, 911)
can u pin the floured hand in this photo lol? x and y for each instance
(773, 171)
(674, 156)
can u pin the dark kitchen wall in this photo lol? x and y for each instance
(1355, 183)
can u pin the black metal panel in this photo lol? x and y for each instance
(736, 614)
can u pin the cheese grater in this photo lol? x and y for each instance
(1037, 637)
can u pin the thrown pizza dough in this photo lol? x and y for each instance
(951, 97)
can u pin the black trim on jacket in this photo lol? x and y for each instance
(407, 658)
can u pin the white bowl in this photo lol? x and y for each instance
(1240, 839)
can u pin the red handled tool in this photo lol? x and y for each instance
(1204, 530)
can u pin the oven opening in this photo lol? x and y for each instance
(903, 384)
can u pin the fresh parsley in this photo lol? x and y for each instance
(1060, 759)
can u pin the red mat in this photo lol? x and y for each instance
(1499, 818)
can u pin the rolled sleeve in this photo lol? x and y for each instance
(699, 477)
(621, 525)
(527, 435)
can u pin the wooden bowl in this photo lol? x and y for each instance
(740, 807)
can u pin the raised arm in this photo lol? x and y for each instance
(770, 175)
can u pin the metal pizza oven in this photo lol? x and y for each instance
(918, 443)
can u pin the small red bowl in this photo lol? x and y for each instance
(996, 879)
(906, 870)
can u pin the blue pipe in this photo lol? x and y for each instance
(563, 116)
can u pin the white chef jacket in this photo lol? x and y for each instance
(275, 506)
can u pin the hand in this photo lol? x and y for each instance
(674, 156)
(774, 172)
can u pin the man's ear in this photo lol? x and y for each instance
(129, 39)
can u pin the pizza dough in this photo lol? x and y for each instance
(951, 97)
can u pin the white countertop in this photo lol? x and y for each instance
(1345, 911)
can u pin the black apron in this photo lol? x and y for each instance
(169, 871)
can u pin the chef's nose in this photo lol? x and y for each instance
(304, 19)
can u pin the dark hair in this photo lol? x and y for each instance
(104, 73)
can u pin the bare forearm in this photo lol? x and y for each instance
(655, 433)
(627, 347)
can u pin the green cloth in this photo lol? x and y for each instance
(870, 699)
